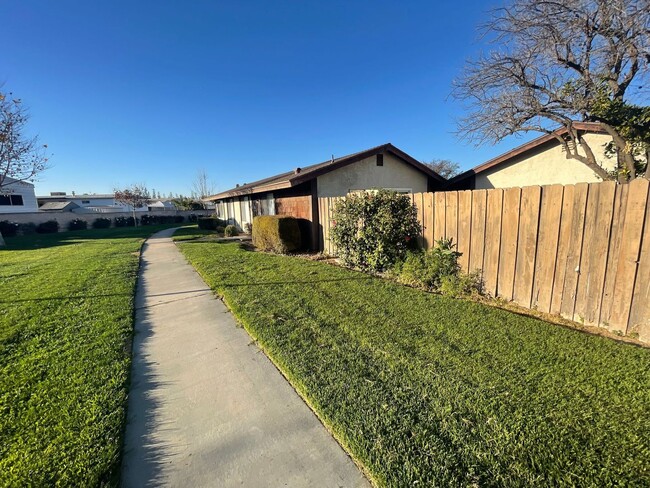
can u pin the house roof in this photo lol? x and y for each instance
(8, 180)
(77, 197)
(58, 206)
(301, 175)
(529, 146)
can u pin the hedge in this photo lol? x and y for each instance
(276, 233)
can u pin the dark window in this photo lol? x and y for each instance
(5, 200)
(380, 159)
(85, 201)
(16, 199)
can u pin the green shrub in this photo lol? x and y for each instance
(124, 222)
(48, 227)
(220, 230)
(276, 233)
(230, 231)
(77, 224)
(438, 270)
(8, 229)
(374, 231)
(101, 223)
(27, 229)
(211, 223)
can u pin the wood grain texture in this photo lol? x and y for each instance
(440, 209)
(464, 228)
(527, 244)
(564, 239)
(492, 240)
(549, 230)
(477, 244)
(509, 236)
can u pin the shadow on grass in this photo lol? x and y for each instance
(296, 282)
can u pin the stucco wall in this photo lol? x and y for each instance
(547, 166)
(26, 190)
(365, 175)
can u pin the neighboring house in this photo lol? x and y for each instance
(89, 203)
(296, 192)
(17, 197)
(161, 205)
(542, 161)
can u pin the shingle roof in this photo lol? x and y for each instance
(301, 175)
(58, 206)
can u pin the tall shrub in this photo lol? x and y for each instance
(372, 231)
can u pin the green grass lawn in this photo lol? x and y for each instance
(425, 390)
(66, 319)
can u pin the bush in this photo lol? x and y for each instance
(220, 230)
(101, 223)
(77, 224)
(178, 219)
(49, 227)
(230, 231)
(211, 223)
(374, 231)
(124, 222)
(192, 218)
(438, 270)
(27, 229)
(248, 228)
(148, 219)
(276, 233)
(8, 229)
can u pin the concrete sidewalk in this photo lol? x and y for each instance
(206, 406)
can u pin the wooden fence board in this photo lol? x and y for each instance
(629, 254)
(464, 228)
(492, 240)
(564, 238)
(428, 216)
(418, 201)
(509, 235)
(640, 313)
(598, 221)
(549, 229)
(527, 244)
(575, 251)
(451, 215)
(618, 218)
(440, 210)
(477, 245)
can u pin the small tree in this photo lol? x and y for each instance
(372, 231)
(135, 196)
(444, 167)
(202, 187)
(21, 157)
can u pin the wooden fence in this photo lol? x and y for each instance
(580, 251)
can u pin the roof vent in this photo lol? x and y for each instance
(297, 170)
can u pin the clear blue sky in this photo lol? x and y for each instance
(150, 92)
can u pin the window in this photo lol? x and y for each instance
(380, 159)
(85, 201)
(13, 200)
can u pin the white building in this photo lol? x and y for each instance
(95, 203)
(17, 197)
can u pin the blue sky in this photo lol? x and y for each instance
(137, 91)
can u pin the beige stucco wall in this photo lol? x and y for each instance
(547, 166)
(365, 175)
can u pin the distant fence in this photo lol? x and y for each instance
(580, 251)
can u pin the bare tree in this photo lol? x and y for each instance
(21, 156)
(202, 187)
(555, 62)
(135, 196)
(444, 167)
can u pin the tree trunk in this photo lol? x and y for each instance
(623, 153)
(2, 241)
(135, 221)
